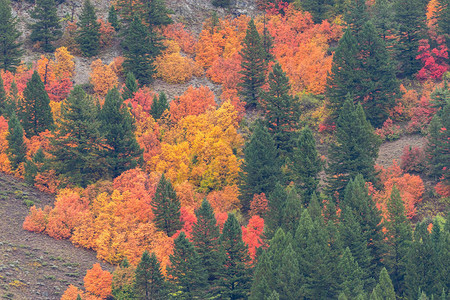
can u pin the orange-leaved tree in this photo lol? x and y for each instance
(192, 102)
(98, 282)
(102, 77)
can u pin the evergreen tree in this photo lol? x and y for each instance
(440, 97)
(89, 30)
(350, 281)
(221, 3)
(113, 19)
(149, 282)
(305, 163)
(47, 28)
(383, 18)
(17, 150)
(159, 105)
(289, 277)
(319, 9)
(281, 110)
(443, 20)
(188, 276)
(273, 296)
(34, 112)
(291, 211)
(356, 16)
(263, 274)
(157, 13)
(166, 208)
(31, 166)
(384, 288)
(399, 240)
(78, 147)
(130, 88)
(410, 15)
(261, 167)
(253, 66)
(205, 237)
(237, 269)
(275, 207)
(355, 149)
(10, 52)
(117, 125)
(138, 52)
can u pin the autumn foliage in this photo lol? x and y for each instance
(102, 77)
(98, 282)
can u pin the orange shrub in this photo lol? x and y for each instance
(98, 282)
(102, 77)
(192, 102)
(37, 220)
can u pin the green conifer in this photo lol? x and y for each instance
(117, 126)
(17, 150)
(149, 282)
(288, 276)
(31, 166)
(319, 9)
(384, 288)
(443, 20)
(10, 51)
(113, 19)
(276, 202)
(89, 30)
(35, 113)
(159, 105)
(350, 281)
(253, 66)
(291, 211)
(47, 28)
(130, 88)
(263, 274)
(166, 207)
(157, 13)
(221, 3)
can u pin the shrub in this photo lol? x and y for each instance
(412, 160)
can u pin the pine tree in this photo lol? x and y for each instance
(113, 19)
(10, 47)
(138, 52)
(157, 14)
(319, 9)
(288, 276)
(443, 20)
(47, 28)
(237, 272)
(35, 113)
(17, 150)
(383, 18)
(31, 166)
(78, 147)
(253, 66)
(281, 110)
(205, 237)
(291, 211)
(305, 163)
(399, 240)
(188, 276)
(261, 167)
(275, 206)
(384, 288)
(221, 3)
(117, 126)
(89, 30)
(130, 88)
(350, 281)
(166, 208)
(149, 282)
(356, 16)
(410, 15)
(355, 149)
(159, 105)
(263, 274)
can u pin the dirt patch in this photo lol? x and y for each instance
(35, 266)
(394, 150)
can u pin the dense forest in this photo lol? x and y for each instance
(260, 184)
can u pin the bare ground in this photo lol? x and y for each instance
(393, 150)
(35, 266)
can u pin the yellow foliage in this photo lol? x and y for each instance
(63, 65)
(102, 77)
(175, 68)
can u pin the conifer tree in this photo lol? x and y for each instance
(263, 274)
(149, 282)
(31, 166)
(130, 88)
(157, 13)
(138, 52)
(355, 149)
(305, 163)
(275, 207)
(383, 18)
(113, 19)
(159, 105)
(78, 147)
(253, 66)
(384, 288)
(188, 276)
(288, 276)
(399, 240)
(356, 16)
(166, 208)
(89, 30)
(10, 47)
(221, 3)
(205, 237)
(34, 111)
(236, 280)
(17, 150)
(281, 110)
(261, 168)
(443, 20)
(291, 211)
(117, 126)
(319, 9)
(47, 28)
(350, 281)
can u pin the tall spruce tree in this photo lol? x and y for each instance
(188, 276)
(288, 276)
(263, 274)
(117, 126)
(305, 163)
(355, 149)
(261, 167)
(384, 288)
(291, 211)
(236, 278)
(399, 240)
(205, 237)
(17, 149)
(157, 14)
(113, 19)
(10, 47)
(159, 105)
(383, 18)
(88, 36)
(166, 207)
(34, 110)
(149, 283)
(254, 66)
(350, 279)
(443, 20)
(130, 88)
(47, 28)
(78, 147)
(221, 3)
(281, 110)
(276, 202)
(319, 9)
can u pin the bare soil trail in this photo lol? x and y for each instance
(35, 266)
